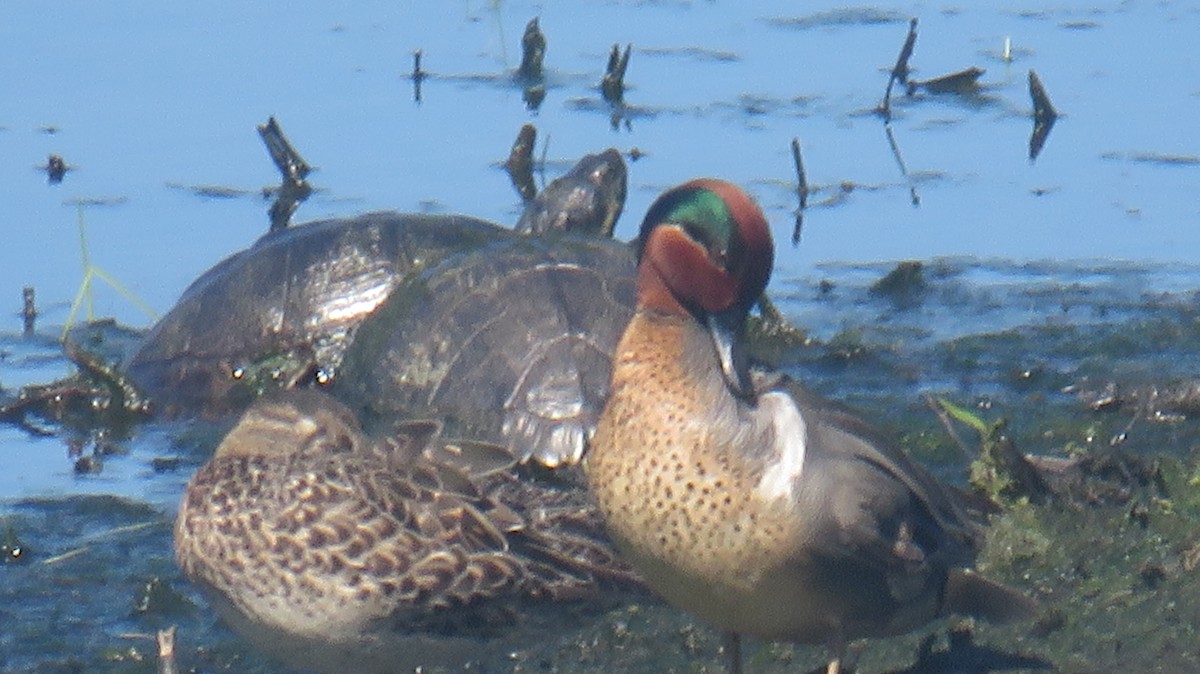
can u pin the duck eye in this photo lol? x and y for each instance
(704, 236)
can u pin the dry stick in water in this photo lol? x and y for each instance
(418, 75)
(531, 74)
(520, 162)
(801, 190)
(533, 53)
(1044, 115)
(294, 189)
(29, 310)
(612, 87)
(899, 71)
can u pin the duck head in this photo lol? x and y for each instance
(705, 250)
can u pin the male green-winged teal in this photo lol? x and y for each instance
(757, 506)
(339, 554)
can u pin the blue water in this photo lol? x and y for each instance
(141, 97)
(154, 103)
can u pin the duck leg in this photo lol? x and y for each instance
(733, 652)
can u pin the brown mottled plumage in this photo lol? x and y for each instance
(743, 498)
(337, 553)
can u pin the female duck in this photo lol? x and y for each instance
(744, 499)
(340, 554)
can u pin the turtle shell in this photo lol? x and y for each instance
(511, 343)
(283, 312)
(286, 307)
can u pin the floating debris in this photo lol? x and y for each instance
(98, 399)
(1044, 115)
(119, 392)
(295, 188)
(213, 191)
(520, 163)
(1079, 25)
(96, 201)
(801, 190)
(165, 464)
(962, 82)
(904, 284)
(698, 54)
(853, 16)
(899, 71)
(56, 169)
(1155, 158)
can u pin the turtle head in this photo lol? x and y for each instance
(705, 249)
(588, 199)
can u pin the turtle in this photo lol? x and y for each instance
(282, 312)
(511, 342)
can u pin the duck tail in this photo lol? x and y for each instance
(970, 594)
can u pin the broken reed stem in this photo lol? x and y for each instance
(29, 311)
(90, 272)
(533, 53)
(948, 425)
(801, 190)
(900, 70)
(801, 177)
(289, 162)
(1043, 110)
(1044, 115)
(520, 162)
(293, 188)
(417, 73)
(612, 87)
